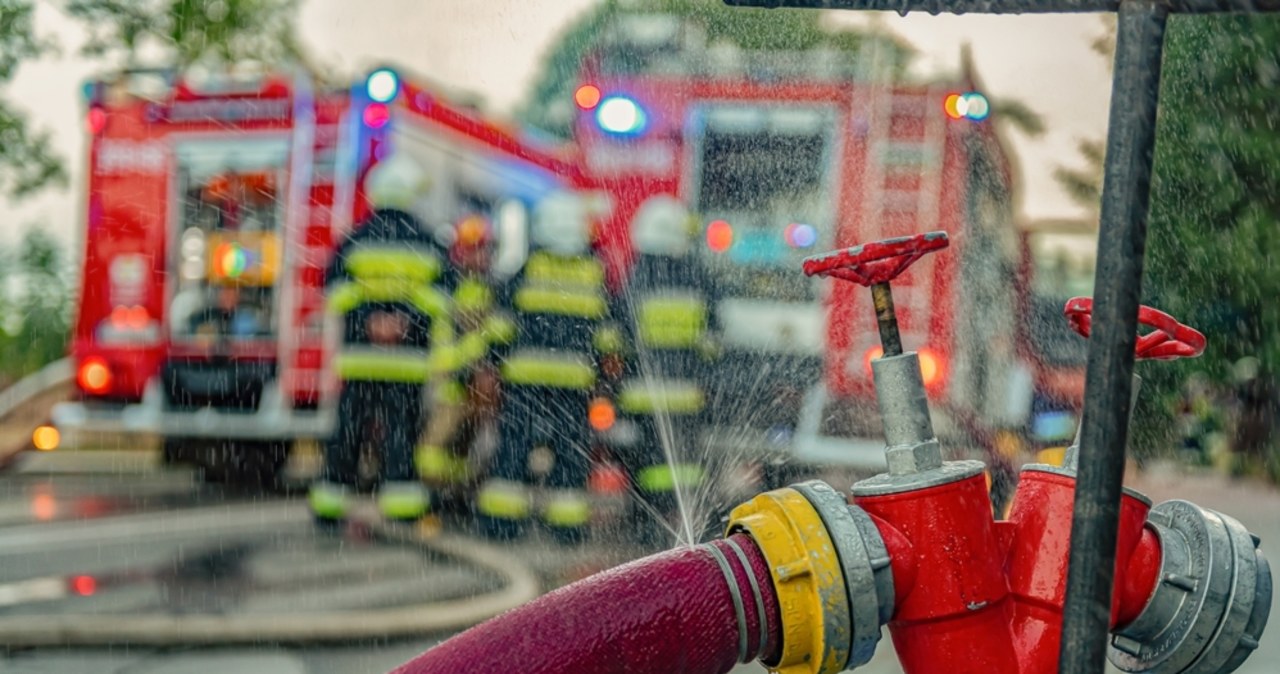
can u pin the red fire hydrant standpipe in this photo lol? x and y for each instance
(1193, 592)
(805, 580)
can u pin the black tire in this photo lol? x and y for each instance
(256, 466)
(175, 452)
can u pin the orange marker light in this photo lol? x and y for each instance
(871, 354)
(930, 364)
(601, 414)
(46, 438)
(930, 367)
(719, 236)
(587, 96)
(954, 106)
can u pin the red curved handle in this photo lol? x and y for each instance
(1168, 340)
(875, 262)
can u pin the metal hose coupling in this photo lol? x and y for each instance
(1211, 601)
(831, 573)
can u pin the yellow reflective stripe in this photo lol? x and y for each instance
(580, 271)
(499, 329)
(640, 397)
(567, 512)
(471, 348)
(672, 322)
(472, 295)
(503, 504)
(441, 332)
(608, 339)
(665, 478)
(560, 301)
(327, 501)
(344, 297)
(548, 370)
(430, 301)
(403, 367)
(351, 294)
(451, 392)
(388, 289)
(370, 262)
(402, 503)
(441, 465)
(444, 359)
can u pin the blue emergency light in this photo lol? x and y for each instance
(621, 116)
(382, 86)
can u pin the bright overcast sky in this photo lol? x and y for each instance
(493, 47)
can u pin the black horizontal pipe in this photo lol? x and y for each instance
(1015, 6)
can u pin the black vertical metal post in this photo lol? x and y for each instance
(1117, 287)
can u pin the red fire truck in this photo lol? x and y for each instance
(783, 156)
(213, 208)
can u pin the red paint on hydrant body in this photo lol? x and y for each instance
(1040, 521)
(955, 616)
(977, 596)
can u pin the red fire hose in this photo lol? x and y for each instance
(693, 610)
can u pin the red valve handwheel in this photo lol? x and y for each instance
(1168, 340)
(875, 262)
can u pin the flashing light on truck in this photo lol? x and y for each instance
(382, 85)
(972, 106)
(621, 116)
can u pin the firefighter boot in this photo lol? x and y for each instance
(328, 503)
(503, 508)
(566, 513)
(441, 467)
(402, 501)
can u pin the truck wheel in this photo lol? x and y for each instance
(257, 465)
(174, 452)
(249, 465)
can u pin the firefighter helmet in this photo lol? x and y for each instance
(472, 240)
(397, 182)
(662, 226)
(562, 224)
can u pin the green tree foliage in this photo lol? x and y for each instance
(1215, 217)
(191, 31)
(35, 305)
(1084, 183)
(745, 28)
(26, 161)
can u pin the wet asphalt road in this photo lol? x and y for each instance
(121, 538)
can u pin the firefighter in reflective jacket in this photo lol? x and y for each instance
(672, 312)
(561, 308)
(385, 283)
(467, 401)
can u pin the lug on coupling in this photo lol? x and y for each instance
(1211, 601)
(831, 573)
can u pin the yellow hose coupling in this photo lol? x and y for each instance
(807, 578)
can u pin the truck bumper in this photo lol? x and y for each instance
(271, 421)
